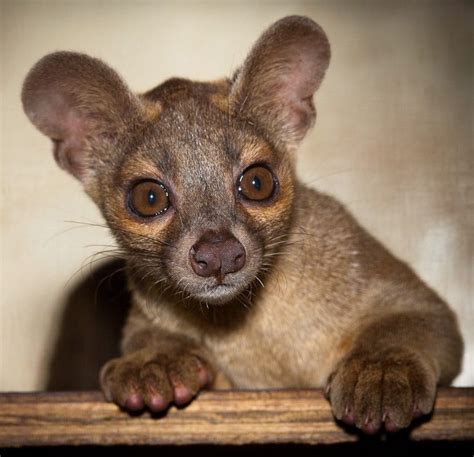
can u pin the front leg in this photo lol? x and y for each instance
(391, 372)
(157, 368)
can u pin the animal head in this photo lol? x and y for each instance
(196, 180)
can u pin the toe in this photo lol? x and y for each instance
(134, 402)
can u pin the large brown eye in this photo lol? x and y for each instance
(148, 198)
(257, 183)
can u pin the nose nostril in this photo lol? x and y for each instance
(239, 258)
(234, 257)
(217, 255)
(202, 259)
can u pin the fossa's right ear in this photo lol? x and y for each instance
(80, 103)
(274, 87)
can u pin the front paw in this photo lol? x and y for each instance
(143, 379)
(388, 387)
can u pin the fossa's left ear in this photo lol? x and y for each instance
(275, 86)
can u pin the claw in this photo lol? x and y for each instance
(327, 391)
(390, 425)
(348, 417)
(417, 412)
(369, 428)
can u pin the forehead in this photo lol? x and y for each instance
(190, 142)
(192, 129)
(192, 135)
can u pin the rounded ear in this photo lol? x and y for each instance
(78, 102)
(275, 86)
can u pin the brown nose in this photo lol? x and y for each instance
(216, 254)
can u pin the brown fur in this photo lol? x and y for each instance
(319, 302)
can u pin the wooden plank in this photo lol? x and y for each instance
(218, 417)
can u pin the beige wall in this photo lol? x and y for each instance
(393, 138)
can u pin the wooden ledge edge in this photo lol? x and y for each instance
(216, 417)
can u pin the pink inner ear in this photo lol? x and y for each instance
(54, 115)
(306, 74)
(69, 156)
(302, 115)
(296, 84)
(66, 127)
(70, 152)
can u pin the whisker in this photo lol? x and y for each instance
(89, 264)
(328, 175)
(259, 280)
(108, 277)
(123, 231)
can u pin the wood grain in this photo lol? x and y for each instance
(219, 417)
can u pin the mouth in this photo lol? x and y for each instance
(218, 294)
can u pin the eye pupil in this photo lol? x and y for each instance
(151, 197)
(256, 183)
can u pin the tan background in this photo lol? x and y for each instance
(393, 138)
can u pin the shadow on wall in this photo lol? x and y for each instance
(90, 328)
